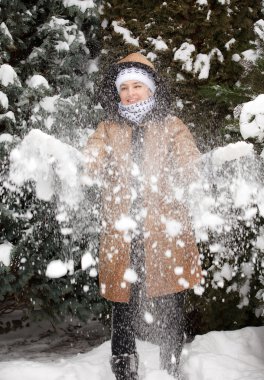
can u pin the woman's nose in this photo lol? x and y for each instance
(130, 91)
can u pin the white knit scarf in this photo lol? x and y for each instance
(137, 111)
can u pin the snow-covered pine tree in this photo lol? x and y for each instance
(48, 67)
(194, 44)
(200, 47)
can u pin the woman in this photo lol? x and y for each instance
(148, 256)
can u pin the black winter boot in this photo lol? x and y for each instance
(125, 367)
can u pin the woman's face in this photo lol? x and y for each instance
(133, 91)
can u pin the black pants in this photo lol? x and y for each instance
(166, 329)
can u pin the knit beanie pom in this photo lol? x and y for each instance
(134, 73)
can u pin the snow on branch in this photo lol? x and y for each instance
(83, 5)
(229, 183)
(8, 75)
(252, 119)
(4, 30)
(3, 100)
(53, 165)
(201, 65)
(125, 33)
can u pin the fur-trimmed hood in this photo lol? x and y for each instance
(107, 92)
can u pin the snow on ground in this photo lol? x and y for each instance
(232, 355)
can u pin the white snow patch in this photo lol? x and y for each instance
(125, 33)
(62, 46)
(208, 16)
(250, 55)
(104, 23)
(232, 152)
(83, 5)
(5, 253)
(184, 55)
(173, 227)
(36, 81)
(69, 31)
(5, 30)
(180, 77)
(158, 43)
(210, 220)
(93, 272)
(8, 75)
(125, 223)
(228, 355)
(226, 272)
(184, 283)
(9, 115)
(202, 66)
(48, 122)
(230, 43)
(201, 2)
(259, 29)
(6, 138)
(215, 248)
(178, 271)
(49, 103)
(179, 104)
(202, 62)
(130, 276)
(252, 118)
(42, 158)
(148, 317)
(57, 21)
(135, 170)
(93, 66)
(260, 242)
(87, 260)
(168, 253)
(151, 56)
(236, 57)
(3, 100)
(198, 290)
(56, 269)
(216, 355)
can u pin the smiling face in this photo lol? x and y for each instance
(133, 91)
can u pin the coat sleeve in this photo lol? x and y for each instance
(185, 152)
(95, 153)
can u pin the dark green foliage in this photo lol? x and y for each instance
(206, 27)
(180, 21)
(37, 28)
(224, 307)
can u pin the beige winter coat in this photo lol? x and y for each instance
(171, 258)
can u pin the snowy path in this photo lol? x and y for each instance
(233, 355)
